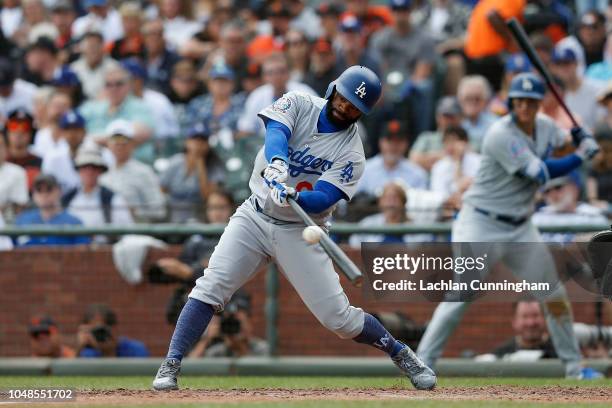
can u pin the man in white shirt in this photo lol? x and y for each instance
(15, 93)
(92, 203)
(13, 184)
(276, 76)
(100, 17)
(134, 181)
(391, 164)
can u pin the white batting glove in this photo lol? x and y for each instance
(277, 171)
(587, 149)
(280, 192)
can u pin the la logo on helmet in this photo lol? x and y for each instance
(361, 91)
(527, 85)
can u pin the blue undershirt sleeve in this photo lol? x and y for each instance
(276, 142)
(321, 198)
(561, 166)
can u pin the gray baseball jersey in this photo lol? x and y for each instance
(336, 158)
(507, 149)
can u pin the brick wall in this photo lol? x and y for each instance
(62, 282)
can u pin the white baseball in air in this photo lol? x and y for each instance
(312, 234)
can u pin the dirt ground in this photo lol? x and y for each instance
(484, 393)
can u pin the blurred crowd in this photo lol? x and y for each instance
(118, 112)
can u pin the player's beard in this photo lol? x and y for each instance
(342, 124)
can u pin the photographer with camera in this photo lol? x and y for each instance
(232, 335)
(95, 337)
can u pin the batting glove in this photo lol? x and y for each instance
(276, 171)
(578, 135)
(587, 149)
(280, 192)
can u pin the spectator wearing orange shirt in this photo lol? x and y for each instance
(264, 45)
(487, 37)
(371, 17)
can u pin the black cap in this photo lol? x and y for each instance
(45, 44)
(41, 324)
(395, 129)
(47, 180)
(7, 72)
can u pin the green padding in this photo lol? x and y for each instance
(137, 366)
(24, 366)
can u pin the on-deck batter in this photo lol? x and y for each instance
(313, 153)
(496, 208)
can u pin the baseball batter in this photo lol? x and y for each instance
(312, 152)
(497, 208)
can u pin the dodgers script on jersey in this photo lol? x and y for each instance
(505, 150)
(336, 158)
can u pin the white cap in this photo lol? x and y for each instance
(120, 127)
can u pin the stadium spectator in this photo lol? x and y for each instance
(262, 46)
(93, 204)
(134, 181)
(165, 125)
(33, 24)
(372, 17)
(599, 182)
(323, 68)
(191, 176)
(48, 138)
(514, 65)
(13, 185)
(428, 149)
(305, 19)
(41, 62)
(46, 340)
(351, 50)
(392, 210)
(453, 173)
(474, 94)
(60, 162)
(63, 15)
(131, 45)
(101, 17)
(276, 76)
(11, 16)
(65, 80)
(93, 64)
(329, 16)
(179, 22)
(298, 52)
(15, 93)
(563, 207)
(253, 78)
(120, 103)
(591, 35)
(551, 107)
(18, 131)
(159, 59)
(95, 337)
(391, 163)
(48, 211)
(579, 93)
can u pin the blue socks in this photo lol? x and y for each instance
(191, 323)
(376, 335)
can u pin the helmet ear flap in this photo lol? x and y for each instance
(330, 90)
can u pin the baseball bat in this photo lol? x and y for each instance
(523, 41)
(347, 266)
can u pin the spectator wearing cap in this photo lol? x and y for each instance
(18, 132)
(60, 162)
(474, 94)
(391, 163)
(262, 46)
(351, 46)
(41, 62)
(305, 19)
(63, 15)
(428, 147)
(15, 93)
(120, 103)
(92, 203)
(66, 80)
(599, 182)
(455, 171)
(231, 51)
(372, 17)
(46, 339)
(329, 14)
(134, 181)
(563, 207)
(165, 122)
(131, 45)
(276, 76)
(159, 59)
(298, 54)
(323, 69)
(93, 64)
(11, 16)
(179, 22)
(403, 48)
(514, 65)
(591, 34)
(580, 94)
(191, 176)
(48, 138)
(13, 185)
(48, 211)
(100, 17)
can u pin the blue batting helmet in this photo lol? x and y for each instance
(359, 85)
(526, 85)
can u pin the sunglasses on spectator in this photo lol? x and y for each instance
(115, 84)
(37, 334)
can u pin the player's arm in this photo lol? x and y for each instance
(323, 196)
(276, 146)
